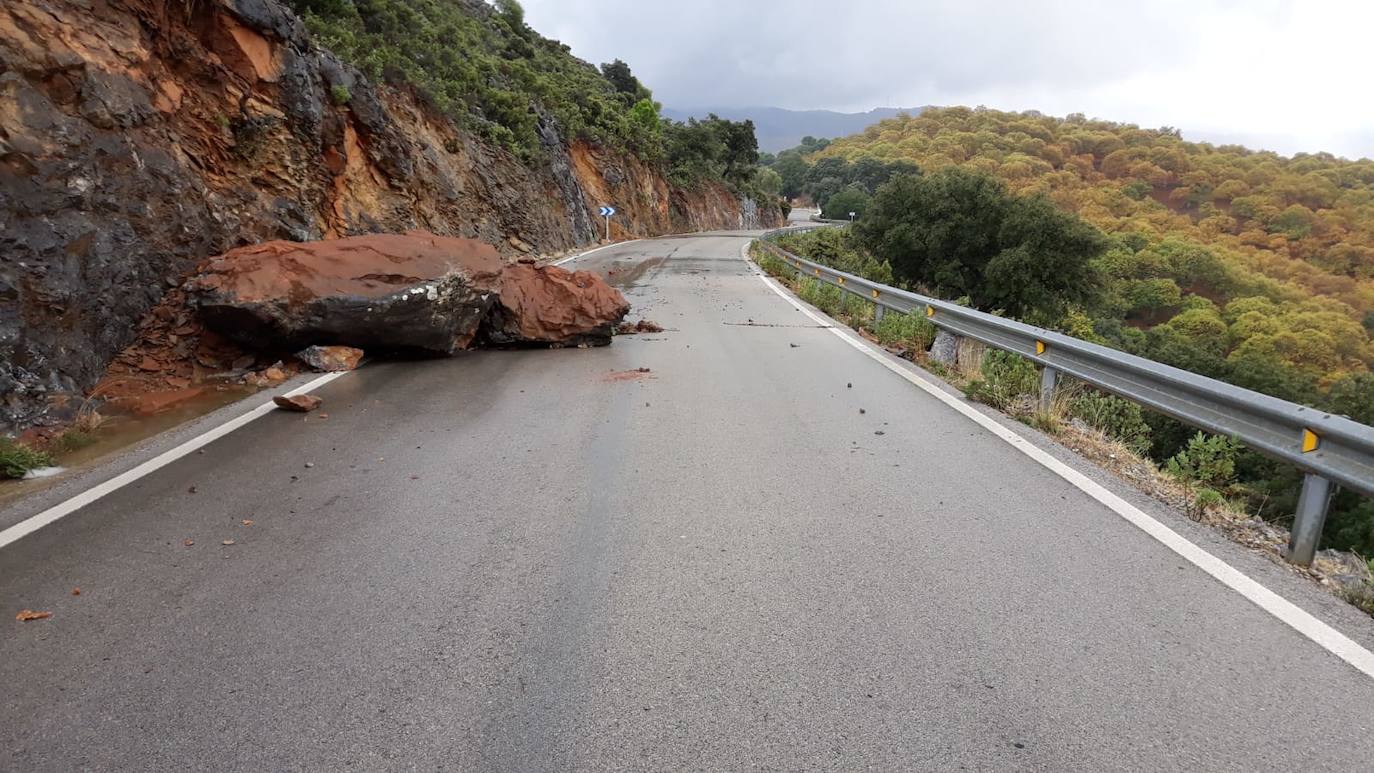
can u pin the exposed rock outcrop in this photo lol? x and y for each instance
(138, 137)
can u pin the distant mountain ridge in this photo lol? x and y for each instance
(779, 129)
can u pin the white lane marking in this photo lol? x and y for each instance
(561, 261)
(67, 507)
(1301, 621)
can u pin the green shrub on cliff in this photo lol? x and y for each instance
(486, 69)
(493, 75)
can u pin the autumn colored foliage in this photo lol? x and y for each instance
(1265, 260)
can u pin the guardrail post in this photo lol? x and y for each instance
(878, 310)
(1048, 378)
(1309, 519)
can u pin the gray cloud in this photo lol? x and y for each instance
(1187, 63)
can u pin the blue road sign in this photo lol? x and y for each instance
(607, 211)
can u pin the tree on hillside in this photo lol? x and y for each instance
(848, 200)
(831, 174)
(713, 147)
(741, 148)
(960, 233)
(768, 181)
(624, 81)
(792, 168)
(870, 173)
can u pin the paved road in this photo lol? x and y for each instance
(521, 561)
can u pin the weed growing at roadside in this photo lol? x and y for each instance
(858, 310)
(1005, 377)
(16, 459)
(1361, 596)
(771, 264)
(823, 296)
(907, 329)
(71, 440)
(1118, 418)
(1206, 467)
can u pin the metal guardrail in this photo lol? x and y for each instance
(1328, 448)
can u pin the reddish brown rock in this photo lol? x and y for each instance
(330, 358)
(642, 326)
(298, 403)
(386, 291)
(551, 305)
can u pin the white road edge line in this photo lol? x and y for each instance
(1298, 619)
(67, 507)
(561, 261)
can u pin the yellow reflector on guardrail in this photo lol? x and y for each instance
(930, 311)
(1039, 347)
(1310, 441)
(876, 294)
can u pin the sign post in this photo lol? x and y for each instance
(606, 212)
(851, 217)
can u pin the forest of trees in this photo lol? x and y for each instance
(490, 73)
(1240, 265)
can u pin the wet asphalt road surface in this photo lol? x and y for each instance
(547, 560)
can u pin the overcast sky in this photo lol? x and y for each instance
(1286, 76)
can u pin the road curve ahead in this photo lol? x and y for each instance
(767, 552)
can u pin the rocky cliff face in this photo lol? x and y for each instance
(140, 136)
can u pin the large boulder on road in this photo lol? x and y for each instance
(415, 291)
(551, 305)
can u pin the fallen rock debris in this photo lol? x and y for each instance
(25, 615)
(330, 359)
(629, 375)
(298, 403)
(642, 326)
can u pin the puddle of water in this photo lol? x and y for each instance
(119, 431)
(629, 277)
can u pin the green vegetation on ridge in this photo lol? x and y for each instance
(486, 69)
(489, 72)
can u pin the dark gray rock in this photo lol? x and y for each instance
(945, 348)
(113, 101)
